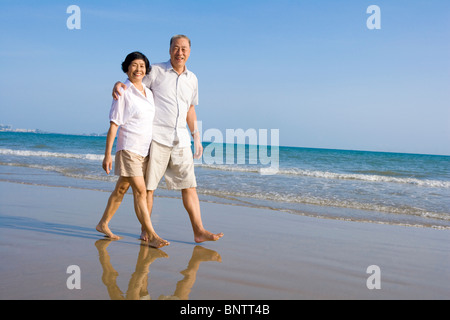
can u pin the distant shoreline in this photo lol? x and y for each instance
(8, 128)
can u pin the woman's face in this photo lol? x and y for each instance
(136, 70)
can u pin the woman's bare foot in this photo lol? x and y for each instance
(207, 236)
(154, 241)
(103, 228)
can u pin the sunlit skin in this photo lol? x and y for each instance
(136, 72)
(179, 51)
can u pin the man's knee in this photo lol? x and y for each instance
(189, 191)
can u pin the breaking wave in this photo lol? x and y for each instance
(47, 154)
(381, 177)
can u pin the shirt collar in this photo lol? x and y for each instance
(170, 67)
(130, 84)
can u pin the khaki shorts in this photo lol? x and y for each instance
(129, 164)
(175, 164)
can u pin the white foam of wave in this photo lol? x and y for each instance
(68, 172)
(317, 201)
(331, 175)
(266, 199)
(47, 154)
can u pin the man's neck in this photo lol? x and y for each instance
(178, 70)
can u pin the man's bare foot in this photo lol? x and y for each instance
(144, 236)
(103, 228)
(201, 254)
(207, 236)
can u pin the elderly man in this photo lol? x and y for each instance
(175, 90)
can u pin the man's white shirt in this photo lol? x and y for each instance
(173, 95)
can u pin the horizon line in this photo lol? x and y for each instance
(8, 128)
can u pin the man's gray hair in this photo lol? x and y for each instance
(179, 36)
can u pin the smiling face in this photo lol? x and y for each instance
(136, 71)
(179, 53)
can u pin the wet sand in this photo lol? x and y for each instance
(264, 254)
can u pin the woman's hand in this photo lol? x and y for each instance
(107, 160)
(107, 163)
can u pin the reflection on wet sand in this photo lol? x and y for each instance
(137, 287)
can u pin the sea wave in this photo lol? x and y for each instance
(332, 175)
(272, 197)
(275, 197)
(47, 154)
(68, 172)
(288, 201)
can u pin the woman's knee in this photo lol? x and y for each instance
(122, 188)
(140, 193)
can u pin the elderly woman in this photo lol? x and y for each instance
(133, 112)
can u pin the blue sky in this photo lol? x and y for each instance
(311, 69)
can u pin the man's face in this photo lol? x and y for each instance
(179, 53)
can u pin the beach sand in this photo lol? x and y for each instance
(264, 254)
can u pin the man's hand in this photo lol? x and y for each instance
(107, 163)
(116, 90)
(198, 148)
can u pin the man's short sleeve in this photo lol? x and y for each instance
(118, 113)
(194, 101)
(149, 79)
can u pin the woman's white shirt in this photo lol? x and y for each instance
(133, 113)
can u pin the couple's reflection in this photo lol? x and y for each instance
(137, 287)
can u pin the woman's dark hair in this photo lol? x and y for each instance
(133, 56)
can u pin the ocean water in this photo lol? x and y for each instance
(378, 187)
